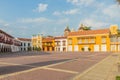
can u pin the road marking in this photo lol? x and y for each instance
(21, 72)
(6, 63)
(33, 69)
(61, 70)
(86, 71)
(37, 68)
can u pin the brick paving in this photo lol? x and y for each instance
(101, 71)
(52, 66)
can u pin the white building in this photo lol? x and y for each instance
(16, 45)
(26, 44)
(8, 43)
(61, 44)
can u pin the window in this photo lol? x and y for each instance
(79, 41)
(70, 41)
(113, 39)
(64, 43)
(85, 40)
(92, 41)
(24, 44)
(103, 40)
(57, 43)
(28, 44)
(118, 39)
(21, 44)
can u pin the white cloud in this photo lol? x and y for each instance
(56, 13)
(94, 23)
(112, 11)
(3, 23)
(81, 2)
(35, 20)
(41, 7)
(67, 12)
(71, 12)
(43, 20)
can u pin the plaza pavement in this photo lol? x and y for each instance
(58, 66)
(107, 69)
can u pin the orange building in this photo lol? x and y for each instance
(48, 44)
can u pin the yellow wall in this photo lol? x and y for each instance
(37, 41)
(98, 41)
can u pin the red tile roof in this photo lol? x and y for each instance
(1, 31)
(24, 39)
(89, 32)
(60, 37)
(47, 39)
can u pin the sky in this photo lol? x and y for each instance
(24, 18)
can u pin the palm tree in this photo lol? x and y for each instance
(118, 31)
(118, 1)
(86, 28)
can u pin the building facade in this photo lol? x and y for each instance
(26, 44)
(93, 40)
(8, 43)
(48, 44)
(61, 43)
(37, 41)
(115, 39)
(103, 40)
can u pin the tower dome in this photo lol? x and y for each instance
(66, 31)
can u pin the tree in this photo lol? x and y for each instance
(118, 31)
(89, 49)
(86, 28)
(29, 48)
(82, 49)
(118, 1)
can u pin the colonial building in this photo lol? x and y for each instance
(8, 43)
(89, 40)
(48, 44)
(26, 44)
(115, 39)
(94, 40)
(61, 43)
(37, 41)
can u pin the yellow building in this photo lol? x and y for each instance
(48, 44)
(37, 41)
(104, 40)
(92, 40)
(115, 38)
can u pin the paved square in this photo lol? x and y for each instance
(47, 66)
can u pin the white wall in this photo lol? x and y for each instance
(61, 44)
(25, 47)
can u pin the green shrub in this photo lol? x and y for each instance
(82, 49)
(117, 77)
(89, 49)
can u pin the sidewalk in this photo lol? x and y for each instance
(104, 70)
